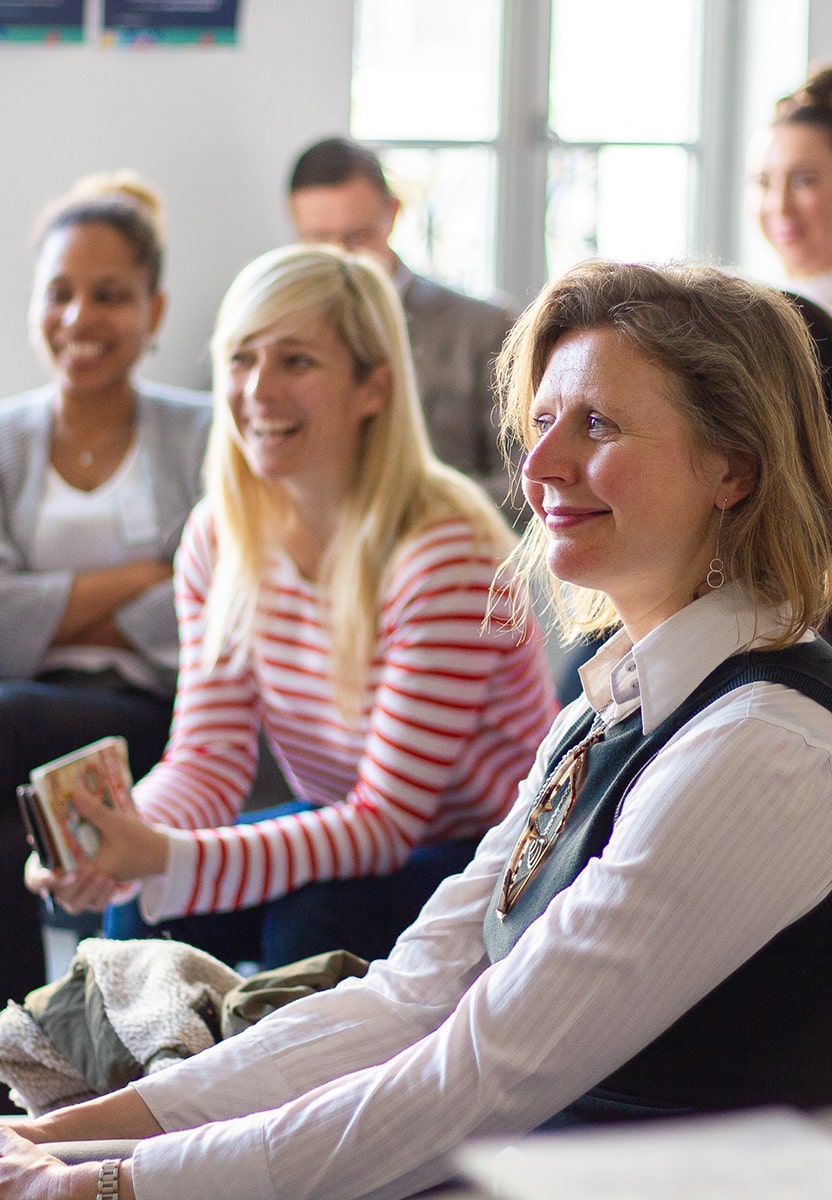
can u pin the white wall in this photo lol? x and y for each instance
(214, 129)
(820, 32)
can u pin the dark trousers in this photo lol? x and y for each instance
(599, 1107)
(364, 916)
(41, 720)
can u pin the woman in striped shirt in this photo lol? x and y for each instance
(333, 588)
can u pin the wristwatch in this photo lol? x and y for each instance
(108, 1179)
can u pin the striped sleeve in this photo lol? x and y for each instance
(209, 762)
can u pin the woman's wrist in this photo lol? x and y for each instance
(149, 855)
(89, 1180)
(83, 1181)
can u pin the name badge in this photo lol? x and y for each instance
(138, 520)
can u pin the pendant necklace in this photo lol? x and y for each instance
(547, 818)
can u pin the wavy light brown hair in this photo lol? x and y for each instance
(743, 371)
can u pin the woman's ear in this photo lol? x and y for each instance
(739, 478)
(158, 308)
(376, 389)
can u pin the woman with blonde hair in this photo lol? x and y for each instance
(645, 934)
(99, 469)
(333, 587)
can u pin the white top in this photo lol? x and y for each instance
(725, 838)
(84, 531)
(172, 426)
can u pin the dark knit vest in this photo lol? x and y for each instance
(762, 1036)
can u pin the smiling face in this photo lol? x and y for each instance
(629, 505)
(794, 197)
(299, 410)
(92, 312)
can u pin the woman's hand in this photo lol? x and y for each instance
(129, 850)
(99, 633)
(86, 889)
(28, 1173)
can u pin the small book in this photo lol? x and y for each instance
(55, 828)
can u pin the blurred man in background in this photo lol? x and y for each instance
(338, 193)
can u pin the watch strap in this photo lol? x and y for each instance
(108, 1179)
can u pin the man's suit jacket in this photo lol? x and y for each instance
(455, 340)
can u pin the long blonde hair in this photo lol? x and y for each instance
(400, 488)
(743, 371)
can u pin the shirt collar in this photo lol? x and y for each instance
(662, 669)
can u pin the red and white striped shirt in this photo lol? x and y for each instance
(451, 718)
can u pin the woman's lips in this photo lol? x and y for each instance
(568, 518)
(273, 429)
(784, 235)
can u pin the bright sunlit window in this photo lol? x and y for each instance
(621, 132)
(437, 110)
(622, 168)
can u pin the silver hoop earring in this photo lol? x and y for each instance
(716, 567)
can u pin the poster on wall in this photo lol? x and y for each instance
(49, 21)
(169, 22)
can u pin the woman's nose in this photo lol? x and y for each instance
(778, 198)
(73, 312)
(261, 382)
(550, 458)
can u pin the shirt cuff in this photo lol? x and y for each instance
(168, 895)
(218, 1160)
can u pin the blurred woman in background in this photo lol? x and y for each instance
(792, 171)
(98, 472)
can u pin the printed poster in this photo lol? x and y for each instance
(48, 21)
(170, 22)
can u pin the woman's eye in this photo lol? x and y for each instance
(298, 362)
(804, 179)
(110, 295)
(599, 426)
(240, 358)
(56, 295)
(541, 424)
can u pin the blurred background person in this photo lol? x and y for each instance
(791, 175)
(791, 165)
(338, 194)
(333, 588)
(98, 472)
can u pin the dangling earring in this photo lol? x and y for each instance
(716, 568)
